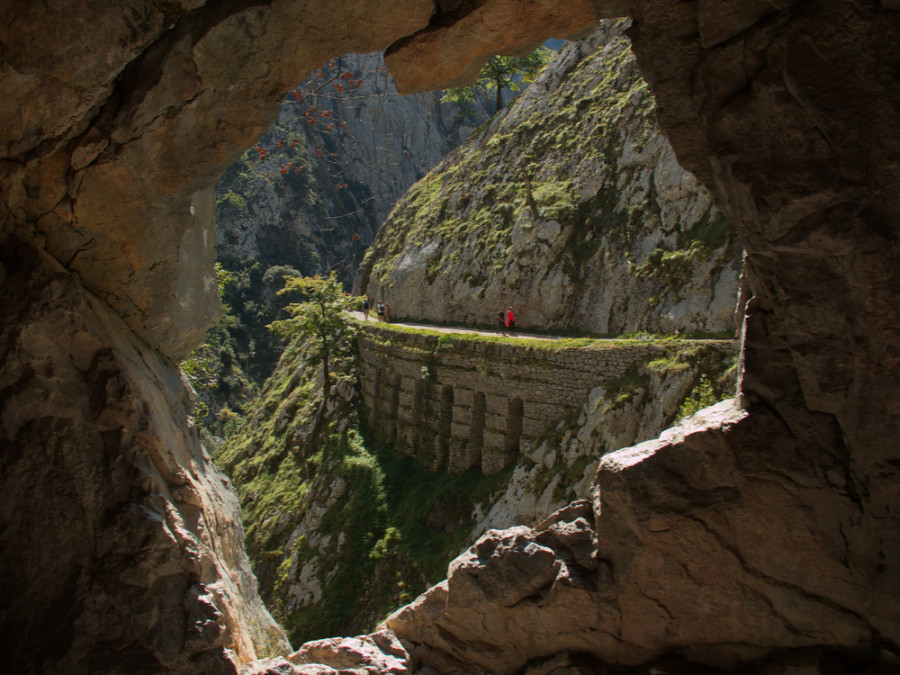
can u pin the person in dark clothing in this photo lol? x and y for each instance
(501, 323)
(366, 306)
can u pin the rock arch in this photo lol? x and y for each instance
(476, 436)
(445, 454)
(117, 119)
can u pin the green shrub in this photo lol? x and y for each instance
(702, 396)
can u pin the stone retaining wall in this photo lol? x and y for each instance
(457, 403)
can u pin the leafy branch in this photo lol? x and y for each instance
(498, 74)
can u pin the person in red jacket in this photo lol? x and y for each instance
(510, 321)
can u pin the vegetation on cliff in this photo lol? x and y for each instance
(569, 206)
(341, 530)
(306, 200)
(318, 318)
(499, 74)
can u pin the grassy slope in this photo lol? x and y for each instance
(362, 522)
(375, 528)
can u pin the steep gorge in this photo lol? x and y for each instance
(118, 119)
(307, 199)
(348, 522)
(327, 509)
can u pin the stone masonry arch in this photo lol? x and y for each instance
(481, 416)
(116, 120)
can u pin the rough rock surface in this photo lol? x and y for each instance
(525, 592)
(376, 143)
(122, 543)
(120, 117)
(771, 531)
(380, 652)
(617, 237)
(116, 119)
(647, 569)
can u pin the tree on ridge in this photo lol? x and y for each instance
(500, 73)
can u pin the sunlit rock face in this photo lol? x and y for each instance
(570, 207)
(118, 117)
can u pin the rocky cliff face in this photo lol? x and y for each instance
(117, 119)
(138, 537)
(570, 207)
(307, 199)
(122, 548)
(716, 544)
(344, 148)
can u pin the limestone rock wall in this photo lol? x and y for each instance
(137, 562)
(308, 198)
(335, 163)
(571, 207)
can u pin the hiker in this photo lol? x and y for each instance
(379, 310)
(510, 321)
(501, 323)
(366, 309)
(387, 312)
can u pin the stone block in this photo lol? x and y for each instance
(494, 441)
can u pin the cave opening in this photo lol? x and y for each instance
(108, 283)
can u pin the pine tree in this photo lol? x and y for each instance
(318, 319)
(501, 73)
